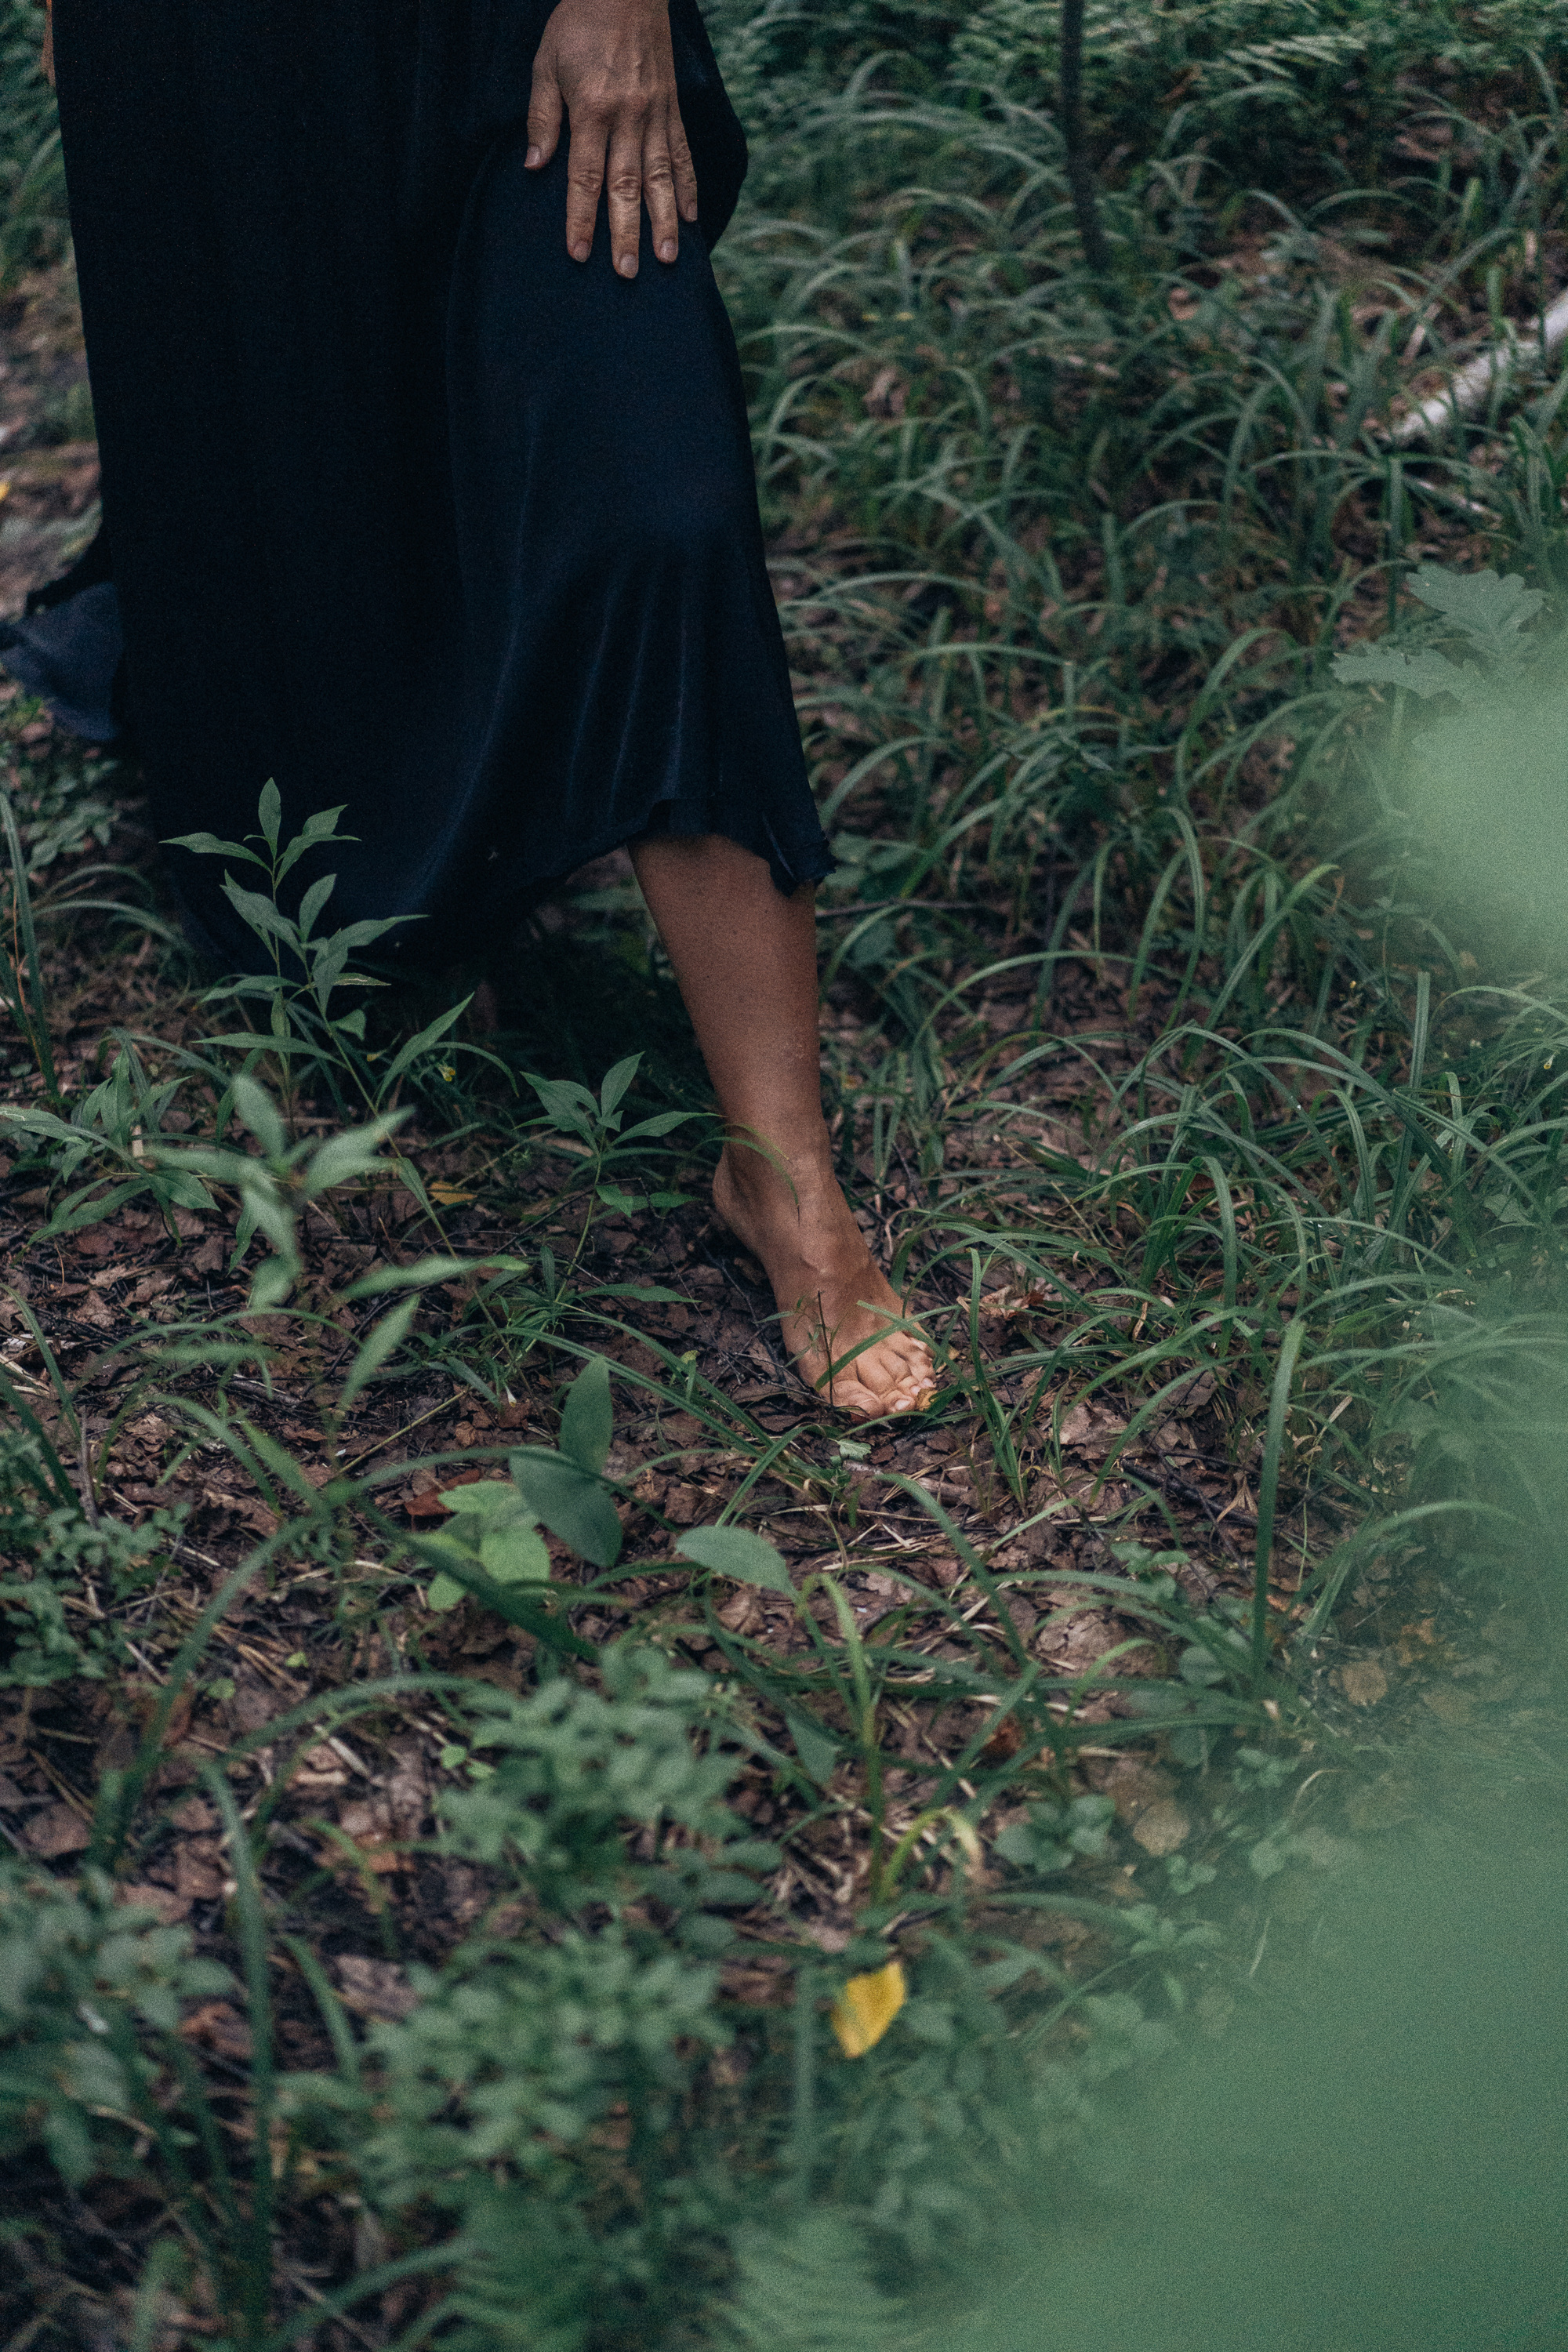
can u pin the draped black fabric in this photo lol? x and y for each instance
(409, 510)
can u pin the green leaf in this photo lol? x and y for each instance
(515, 1554)
(518, 1606)
(79, 1211)
(571, 1505)
(207, 844)
(616, 1081)
(256, 1110)
(487, 1499)
(1425, 674)
(323, 827)
(416, 1276)
(385, 1341)
(1485, 607)
(737, 1552)
(587, 1419)
(269, 812)
(315, 899)
(442, 1593)
(261, 915)
(274, 1280)
(567, 1106)
(424, 1043)
(357, 1153)
(816, 1748)
(41, 1122)
(663, 1122)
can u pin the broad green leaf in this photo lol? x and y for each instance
(256, 1110)
(41, 1122)
(315, 899)
(442, 1593)
(360, 935)
(663, 1122)
(515, 1554)
(737, 1552)
(571, 1505)
(1484, 607)
(1425, 674)
(207, 844)
(383, 1341)
(269, 812)
(487, 1499)
(261, 914)
(616, 1081)
(323, 827)
(816, 1748)
(587, 1419)
(567, 1104)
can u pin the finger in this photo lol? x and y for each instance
(658, 195)
(681, 165)
(585, 178)
(544, 113)
(624, 180)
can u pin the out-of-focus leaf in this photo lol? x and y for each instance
(737, 1552)
(587, 1418)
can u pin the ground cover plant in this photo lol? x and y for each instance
(524, 1828)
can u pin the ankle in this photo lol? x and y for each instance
(770, 1180)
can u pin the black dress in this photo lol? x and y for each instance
(409, 509)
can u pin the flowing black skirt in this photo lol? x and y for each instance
(408, 510)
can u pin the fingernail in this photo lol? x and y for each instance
(689, 212)
(533, 159)
(581, 252)
(668, 250)
(627, 265)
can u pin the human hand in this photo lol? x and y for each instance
(609, 65)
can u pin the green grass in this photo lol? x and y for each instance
(1214, 1108)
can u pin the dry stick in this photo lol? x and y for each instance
(1468, 389)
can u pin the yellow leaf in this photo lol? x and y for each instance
(866, 2007)
(448, 1195)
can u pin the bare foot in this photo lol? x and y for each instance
(831, 1294)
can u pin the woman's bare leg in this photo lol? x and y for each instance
(745, 957)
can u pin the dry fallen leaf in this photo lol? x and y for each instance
(198, 1870)
(57, 1830)
(139, 1895)
(373, 1988)
(220, 2027)
(866, 2007)
(1362, 1681)
(1162, 1827)
(1004, 1742)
